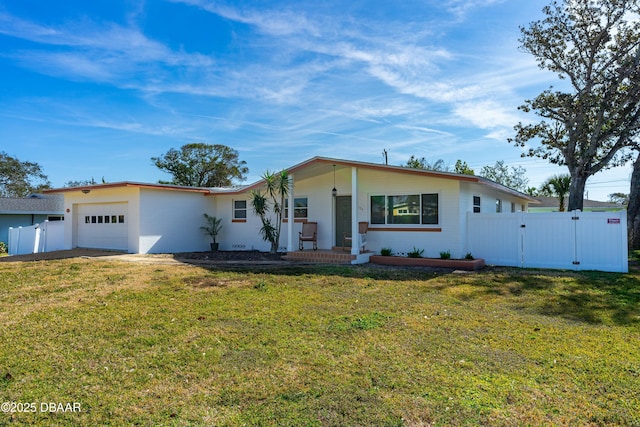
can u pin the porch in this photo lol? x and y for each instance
(324, 256)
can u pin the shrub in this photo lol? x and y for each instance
(469, 256)
(3, 248)
(415, 253)
(386, 252)
(445, 255)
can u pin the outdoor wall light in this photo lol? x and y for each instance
(334, 192)
(86, 191)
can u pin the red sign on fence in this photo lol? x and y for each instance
(613, 220)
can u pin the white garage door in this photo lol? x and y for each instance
(103, 226)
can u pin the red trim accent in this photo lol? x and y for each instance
(130, 184)
(238, 220)
(435, 230)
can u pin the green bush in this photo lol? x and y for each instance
(468, 256)
(415, 253)
(445, 255)
(3, 248)
(386, 252)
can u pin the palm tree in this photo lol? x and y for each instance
(277, 189)
(557, 186)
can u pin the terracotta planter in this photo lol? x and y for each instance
(457, 264)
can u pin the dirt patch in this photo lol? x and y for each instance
(229, 256)
(73, 253)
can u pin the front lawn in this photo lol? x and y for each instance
(158, 345)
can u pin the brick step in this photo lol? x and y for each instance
(320, 256)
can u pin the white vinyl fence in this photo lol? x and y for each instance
(45, 237)
(563, 240)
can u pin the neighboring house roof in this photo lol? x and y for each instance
(34, 204)
(552, 202)
(315, 165)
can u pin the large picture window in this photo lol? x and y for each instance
(405, 209)
(300, 208)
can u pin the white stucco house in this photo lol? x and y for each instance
(405, 208)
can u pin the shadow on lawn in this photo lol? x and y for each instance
(592, 297)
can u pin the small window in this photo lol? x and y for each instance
(99, 219)
(513, 207)
(498, 205)
(476, 204)
(106, 219)
(87, 220)
(239, 209)
(300, 208)
(113, 219)
(94, 219)
(56, 218)
(121, 219)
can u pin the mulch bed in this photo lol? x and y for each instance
(230, 256)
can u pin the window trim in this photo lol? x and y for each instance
(285, 216)
(477, 208)
(236, 210)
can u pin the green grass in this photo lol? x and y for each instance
(320, 346)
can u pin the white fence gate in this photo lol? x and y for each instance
(563, 240)
(45, 237)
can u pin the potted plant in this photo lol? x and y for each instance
(213, 227)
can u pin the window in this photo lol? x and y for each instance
(300, 208)
(113, 219)
(94, 219)
(87, 220)
(377, 209)
(121, 219)
(429, 208)
(240, 209)
(99, 219)
(476, 204)
(498, 205)
(106, 219)
(57, 218)
(405, 210)
(513, 207)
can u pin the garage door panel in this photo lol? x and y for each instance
(103, 226)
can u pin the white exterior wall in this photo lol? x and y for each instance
(238, 236)
(170, 221)
(374, 182)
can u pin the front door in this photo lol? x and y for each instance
(343, 219)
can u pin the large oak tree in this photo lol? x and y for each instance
(594, 47)
(19, 178)
(202, 165)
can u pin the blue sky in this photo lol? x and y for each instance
(96, 88)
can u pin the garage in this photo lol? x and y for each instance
(103, 226)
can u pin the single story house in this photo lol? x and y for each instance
(25, 211)
(404, 208)
(552, 204)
